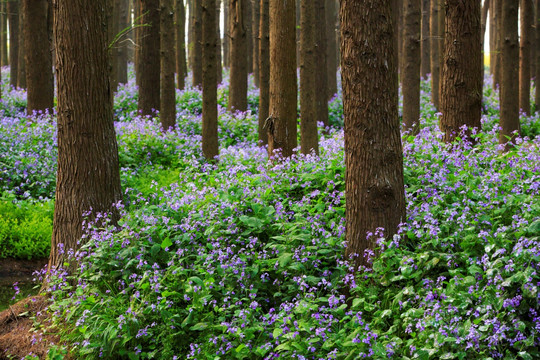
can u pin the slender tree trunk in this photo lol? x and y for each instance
(21, 74)
(526, 16)
(13, 18)
(425, 65)
(38, 56)
(249, 35)
(534, 44)
(131, 35)
(485, 11)
(411, 66)
(239, 66)
(374, 190)
(281, 124)
(298, 30)
(122, 45)
(331, 48)
(167, 106)
(219, 66)
(181, 65)
(498, 43)
(264, 70)
(138, 39)
(537, 74)
(210, 145)
(197, 43)
(256, 14)
(492, 36)
(3, 34)
(149, 99)
(191, 44)
(113, 29)
(509, 95)
(88, 178)
(435, 54)
(321, 96)
(227, 34)
(461, 101)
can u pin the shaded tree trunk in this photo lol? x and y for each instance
(3, 34)
(149, 98)
(485, 11)
(331, 47)
(38, 56)
(191, 44)
(138, 21)
(196, 66)
(509, 95)
(227, 34)
(249, 35)
(264, 70)
(113, 29)
(492, 35)
(181, 65)
(321, 96)
(21, 70)
(534, 44)
(239, 60)
(526, 18)
(167, 105)
(435, 54)
(374, 190)
(411, 66)
(462, 73)
(256, 14)
(537, 74)
(13, 19)
(210, 145)
(497, 58)
(219, 66)
(88, 178)
(122, 45)
(281, 125)
(425, 65)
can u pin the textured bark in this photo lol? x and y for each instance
(88, 178)
(113, 29)
(191, 44)
(264, 70)
(442, 15)
(196, 66)
(411, 66)
(149, 58)
(181, 65)
(131, 35)
(435, 54)
(321, 96)
(509, 95)
(249, 35)
(167, 113)
(210, 145)
(374, 190)
(219, 66)
(400, 22)
(485, 11)
(462, 73)
(537, 59)
(3, 34)
(21, 70)
(425, 65)
(138, 21)
(331, 47)
(255, 23)
(534, 44)
(239, 60)
(13, 18)
(122, 44)
(526, 20)
(281, 124)
(39, 76)
(498, 43)
(226, 34)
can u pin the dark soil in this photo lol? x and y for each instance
(12, 270)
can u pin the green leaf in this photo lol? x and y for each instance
(166, 243)
(285, 259)
(199, 326)
(277, 332)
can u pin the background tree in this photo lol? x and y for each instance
(123, 19)
(181, 65)
(13, 22)
(249, 35)
(226, 34)
(425, 64)
(149, 98)
(264, 69)
(321, 96)
(239, 59)
(219, 62)
(21, 68)
(537, 59)
(281, 124)
(435, 46)
(210, 145)
(374, 190)
(196, 66)
(331, 47)
(526, 20)
(411, 66)
(255, 23)
(113, 28)
(498, 42)
(3, 34)
(485, 11)
(167, 107)
(38, 56)
(462, 72)
(88, 177)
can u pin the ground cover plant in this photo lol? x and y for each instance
(243, 260)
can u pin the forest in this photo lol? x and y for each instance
(269, 179)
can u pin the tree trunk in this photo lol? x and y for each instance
(149, 98)
(425, 65)
(113, 29)
(281, 125)
(13, 18)
(249, 35)
(138, 21)
(321, 96)
(485, 11)
(492, 35)
(374, 190)
(191, 44)
(411, 66)
(167, 113)
(210, 145)
(399, 26)
(256, 14)
(537, 74)
(88, 178)
(533, 44)
(181, 65)
(131, 35)
(219, 66)
(38, 56)
(21, 74)
(3, 34)
(462, 73)
(498, 43)
(264, 70)
(435, 54)
(526, 16)
(226, 34)
(197, 43)
(122, 45)
(331, 47)
(509, 95)
(239, 60)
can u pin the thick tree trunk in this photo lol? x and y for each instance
(38, 56)
(149, 99)
(3, 34)
(113, 29)
(411, 66)
(331, 47)
(21, 70)
(13, 18)
(526, 16)
(435, 54)
(196, 66)
(509, 95)
(462, 73)
(239, 60)
(181, 65)
(281, 125)
(374, 190)
(88, 178)
(264, 70)
(122, 45)
(167, 113)
(425, 65)
(255, 16)
(210, 145)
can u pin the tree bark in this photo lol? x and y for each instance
(534, 44)
(226, 34)
(21, 70)
(492, 35)
(411, 66)
(239, 60)
(255, 15)
(113, 29)
(264, 70)
(197, 43)
(39, 76)
(13, 18)
(537, 74)
(509, 95)
(210, 145)
(331, 48)
(321, 96)
(526, 18)
(249, 35)
(167, 106)
(122, 53)
(138, 22)
(374, 190)
(149, 99)
(88, 178)
(3, 34)
(281, 125)
(181, 65)
(425, 65)
(435, 54)
(497, 58)
(219, 66)
(462, 73)
(485, 11)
